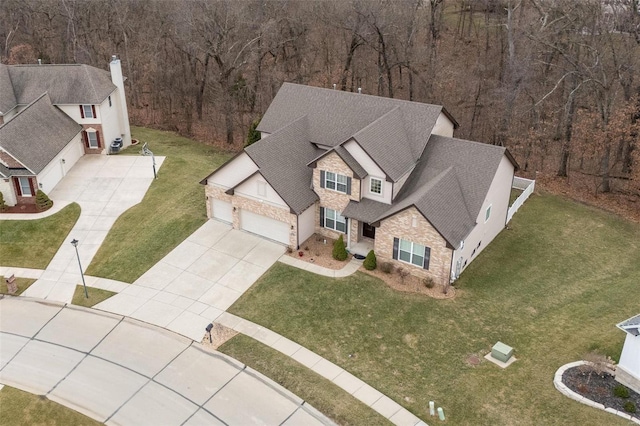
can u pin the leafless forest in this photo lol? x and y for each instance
(556, 81)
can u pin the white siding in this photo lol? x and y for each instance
(111, 128)
(73, 111)
(233, 173)
(264, 135)
(49, 177)
(7, 189)
(483, 233)
(372, 170)
(306, 224)
(119, 100)
(397, 186)
(630, 357)
(250, 189)
(443, 127)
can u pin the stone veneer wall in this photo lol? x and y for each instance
(264, 209)
(400, 226)
(333, 199)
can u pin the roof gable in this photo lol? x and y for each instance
(37, 134)
(631, 326)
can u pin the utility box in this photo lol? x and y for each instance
(501, 352)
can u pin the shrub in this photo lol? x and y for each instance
(428, 282)
(621, 391)
(370, 261)
(403, 274)
(386, 267)
(43, 202)
(3, 205)
(629, 407)
(339, 250)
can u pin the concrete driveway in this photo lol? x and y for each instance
(197, 281)
(124, 372)
(104, 186)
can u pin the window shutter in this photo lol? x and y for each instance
(348, 185)
(427, 257)
(396, 243)
(321, 179)
(81, 112)
(93, 109)
(85, 138)
(321, 216)
(16, 183)
(32, 186)
(98, 139)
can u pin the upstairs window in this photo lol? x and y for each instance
(335, 182)
(375, 186)
(487, 214)
(88, 111)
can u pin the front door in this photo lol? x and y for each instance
(368, 230)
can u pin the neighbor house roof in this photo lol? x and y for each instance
(631, 326)
(65, 84)
(282, 158)
(37, 134)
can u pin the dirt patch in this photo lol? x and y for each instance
(219, 335)
(599, 388)
(316, 251)
(411, 284)
(473, 360)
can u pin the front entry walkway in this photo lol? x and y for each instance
(197, 281)
(104, 186)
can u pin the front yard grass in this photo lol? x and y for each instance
(96, 295)
(553, 287)
(23, 284)
(172, 209)
(23, 408)
(33, 243)
(323, 395)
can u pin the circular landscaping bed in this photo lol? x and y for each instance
(603, 389)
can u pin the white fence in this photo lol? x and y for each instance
(527, 186)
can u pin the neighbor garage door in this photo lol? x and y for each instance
(264, 226)
(222, 210)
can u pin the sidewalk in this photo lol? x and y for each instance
(349, 269)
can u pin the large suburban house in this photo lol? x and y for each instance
(628, 369)
(386, 174)
(50, 116)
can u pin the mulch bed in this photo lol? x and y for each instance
(599, 388)
(22, 208)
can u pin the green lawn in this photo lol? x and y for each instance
(553, 287)
(33, 243)
(23, 408)
(172, 209)
(96, 296)
(23, 284)
(323, 395)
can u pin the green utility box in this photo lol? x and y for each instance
(501, 352)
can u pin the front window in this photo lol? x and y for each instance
(25, 188)
(487, 214)
(411, 253)
(333, 220)
(376, 186)
(88, 111)
(335, 181)
(92, 137)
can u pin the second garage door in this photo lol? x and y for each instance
(264, 226)
(222, 210)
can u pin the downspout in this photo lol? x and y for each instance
(297, 232)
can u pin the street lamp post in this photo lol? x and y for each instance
(74, 243)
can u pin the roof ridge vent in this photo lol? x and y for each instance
(39, 61)
(359, 90)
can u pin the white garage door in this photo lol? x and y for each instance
(222, 210)
(50, 176)
(264, 226)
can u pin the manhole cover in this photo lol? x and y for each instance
(473, 360)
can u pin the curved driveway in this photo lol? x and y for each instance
(124, 372)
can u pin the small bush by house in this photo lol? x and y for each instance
(43, 202)
(370, 261)
(339, 250)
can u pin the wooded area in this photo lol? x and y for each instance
(555, 81)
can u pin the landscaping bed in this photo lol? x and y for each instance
(316, 251)
(600, 388)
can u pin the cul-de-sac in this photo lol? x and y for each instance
(406, 212)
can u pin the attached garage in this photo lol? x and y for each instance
(49, 177)
(222, 210)
(264, 226)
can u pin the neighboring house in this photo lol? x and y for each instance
(628, 369)
(50, 116)
(386, 174)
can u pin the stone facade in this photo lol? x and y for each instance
(401, 226)
(264, 209)
(333, 199)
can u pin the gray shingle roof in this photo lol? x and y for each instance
(334, 116)
(37, 134)
(365, 210)
(449, 184)
(66, 84)
(7, 97)
(386, 142)
(631, 326)
(282, 159)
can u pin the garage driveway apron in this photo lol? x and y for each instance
(124, 372)
(104, 186)
(197, 281)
